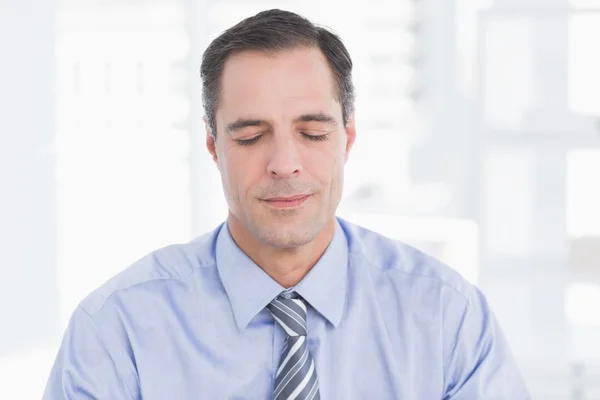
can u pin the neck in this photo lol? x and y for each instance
(286, 266)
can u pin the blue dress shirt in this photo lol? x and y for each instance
(189, 321)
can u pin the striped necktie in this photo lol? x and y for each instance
(296, 376)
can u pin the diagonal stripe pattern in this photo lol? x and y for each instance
(296, 377)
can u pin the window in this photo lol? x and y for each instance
(122, 171)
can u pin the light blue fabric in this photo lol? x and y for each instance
(189, 321)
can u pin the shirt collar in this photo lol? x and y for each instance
(324, 287)
(250, 289)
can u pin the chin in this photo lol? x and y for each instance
(290, 242)
(286, 235)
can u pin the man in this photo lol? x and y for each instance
(284, 300)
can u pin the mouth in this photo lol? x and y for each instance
(287, 202)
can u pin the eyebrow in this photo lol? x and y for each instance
(318, 117)
(242, 123)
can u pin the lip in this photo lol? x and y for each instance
(287, 202)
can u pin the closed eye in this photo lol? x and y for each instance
(316, 138)
(248, 142)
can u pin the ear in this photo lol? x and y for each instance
(350, 135)
(211, 144)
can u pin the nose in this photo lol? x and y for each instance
(284, 161)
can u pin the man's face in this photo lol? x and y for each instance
(281, 144)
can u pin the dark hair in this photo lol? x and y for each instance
(272, 31)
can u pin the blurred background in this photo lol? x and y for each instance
(478, 141)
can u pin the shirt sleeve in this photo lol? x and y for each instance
(479, 363)
(84, 367)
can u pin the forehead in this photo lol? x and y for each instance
(275, 85)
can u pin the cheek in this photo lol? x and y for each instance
(324, 165)
(240, 172)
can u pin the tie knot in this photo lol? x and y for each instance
(290, 314)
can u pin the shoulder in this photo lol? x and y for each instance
(403, 263)
(173, 263)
